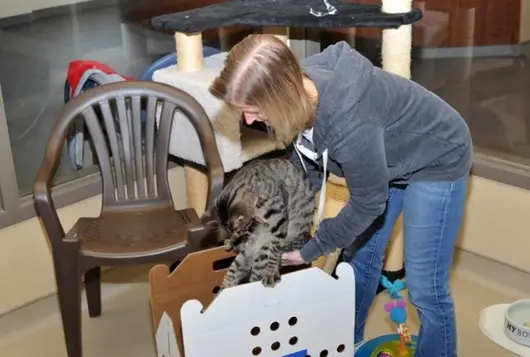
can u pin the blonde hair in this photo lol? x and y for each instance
(262, 71)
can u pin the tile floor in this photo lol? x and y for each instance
(124, 329)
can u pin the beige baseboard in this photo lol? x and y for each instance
(490, 272)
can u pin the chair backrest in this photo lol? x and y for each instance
(133, 153)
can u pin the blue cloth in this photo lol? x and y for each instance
(297, 354)
(432, 216)
(170, 60)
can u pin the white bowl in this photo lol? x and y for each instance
(517, 322)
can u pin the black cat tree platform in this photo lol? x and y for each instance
(393, 16)
(284, 13)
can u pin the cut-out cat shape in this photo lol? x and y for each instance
(283, 13)
(253, 320)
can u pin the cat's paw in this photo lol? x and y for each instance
(237, 248)
(271, 278)
(227, 283)
(228, 246)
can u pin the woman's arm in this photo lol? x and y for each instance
(362, 158)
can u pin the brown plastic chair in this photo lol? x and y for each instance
(138, 223)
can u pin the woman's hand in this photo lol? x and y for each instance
(292, 258)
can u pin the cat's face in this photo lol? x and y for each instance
(233, 219)
(237, 224)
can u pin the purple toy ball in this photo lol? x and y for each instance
(389, 306)
(384, 354)
(401, 303)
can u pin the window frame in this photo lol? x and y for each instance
(14, 208)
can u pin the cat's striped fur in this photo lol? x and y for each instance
(268, 209)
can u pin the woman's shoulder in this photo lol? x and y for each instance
(329, 53)
(341, 46)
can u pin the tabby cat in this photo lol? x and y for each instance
(266, 209)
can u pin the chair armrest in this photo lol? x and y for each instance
(45, 209)
(206, 235)
(42, 187)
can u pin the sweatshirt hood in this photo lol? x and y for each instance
(342, 76)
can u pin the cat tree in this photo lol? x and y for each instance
(238, 145)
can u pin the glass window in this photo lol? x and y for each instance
(34, 60)
(474, 54)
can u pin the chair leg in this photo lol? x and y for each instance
(69, 294)
(93, 291)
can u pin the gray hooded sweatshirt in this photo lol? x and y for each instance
(375, 129)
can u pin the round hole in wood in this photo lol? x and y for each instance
(324, 353)
(341, 348)
(293, 340)
(293, 320)
(216, 289)
(275, 346)
(275, 326)
(256, 351)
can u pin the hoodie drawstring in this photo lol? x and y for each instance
(313, 156)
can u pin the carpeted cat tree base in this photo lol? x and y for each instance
(237, 144)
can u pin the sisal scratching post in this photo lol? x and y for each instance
(189, 51)
(323, 263)
(319, 262)
(397, 43)
(326, 263)
(224, 39)
(337, 196)
(190, 59)
(396, 53)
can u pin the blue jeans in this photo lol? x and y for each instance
(432, 215)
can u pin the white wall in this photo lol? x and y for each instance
(21, 7)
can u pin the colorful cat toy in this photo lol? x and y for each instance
(397, 309)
